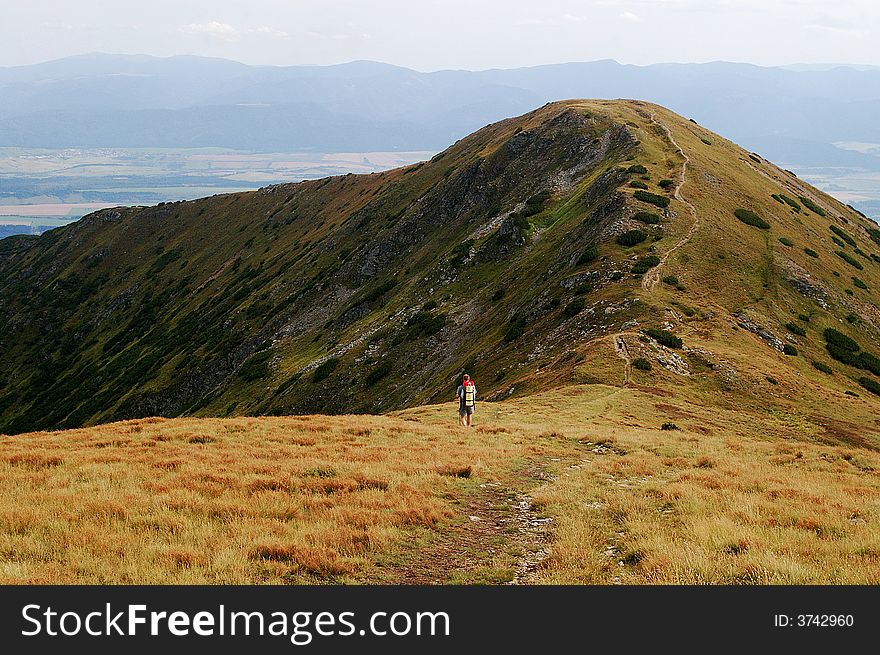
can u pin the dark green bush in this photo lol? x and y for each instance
(642, 364)
(778, 198)
(574, 307)
(842, 355)
(460, 252)
(670, 280)
(498, 295)
(425, 324)
(790, 202)
(256, 367)
(651, 198)
(583, 289)
(796, 329)
(772, 380)
(535, 204)
(804, 318)
(842, 234)
(874, 233)
(663, 337)
(631, 238)
(838, 338)
(638, 184)
(855, 263)
(870, 385)
(666, 184)
(617, 275)
(852, 318)
(859, 283)
(515, 329)
(325, 369)
(751, 218)
(811, 252)
(876, 258)
(869, 362)
(590, 254)
(669, 426)
(645, 264)
(637, 168)
(649, 218)
(838, 242)
(380, 291)
(788, 349)
(378, 373)
(785, 241)
(812, 206)
(823, 367)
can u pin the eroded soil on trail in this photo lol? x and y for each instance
(496, 537)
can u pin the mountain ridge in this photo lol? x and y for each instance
(524, 254)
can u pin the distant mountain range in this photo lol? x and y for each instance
(792, 115)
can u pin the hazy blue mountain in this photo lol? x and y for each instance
(791, 114)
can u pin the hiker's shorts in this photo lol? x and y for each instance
(466, 411)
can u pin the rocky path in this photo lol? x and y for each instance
(498, 537)
(652, 277)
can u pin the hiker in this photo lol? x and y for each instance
(467, 399)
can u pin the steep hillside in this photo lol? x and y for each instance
(575, 244)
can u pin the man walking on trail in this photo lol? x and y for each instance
(467, 399)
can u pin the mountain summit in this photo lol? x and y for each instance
(585, 242)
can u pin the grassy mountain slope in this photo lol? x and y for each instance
(510, 255)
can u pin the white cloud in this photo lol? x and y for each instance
(214, 28)
(630, 17)
(271, 32)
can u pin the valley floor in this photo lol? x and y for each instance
(578, 485)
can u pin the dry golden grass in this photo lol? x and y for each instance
(268, 500)
(776, 495)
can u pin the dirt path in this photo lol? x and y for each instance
(623, 353)
(652, 277)
(496, 531)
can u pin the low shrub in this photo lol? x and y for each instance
(256, 367)
(790, 202)
(842, 234)
(638, 184)
(874, 233)
(671, 280)
(663, 337)
(852, 318)
(574, 308)
(669, 426)
(498, 295)
(811, 253)
(461, 252)
(651, 198)
(790, 350)
(838, 338)
(649, 218)
(838, 242)
(706, 140)
(642, 364)
(378, 373)
(425, 324)
(751, 218)
(812, 206)
(785, 241)
(583, 289)
(870, 385)
(794, 328)
(637, 168)
(535, 204)
(666, 184)
(590, 254)
(772, 380)
(631, 238)
(325, 369)
(645, 264)
(515, 329)
(859, 283)
(821, 366)
(855, 263)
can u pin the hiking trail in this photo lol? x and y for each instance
(652, 277)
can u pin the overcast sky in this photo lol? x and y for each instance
(435, 34)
